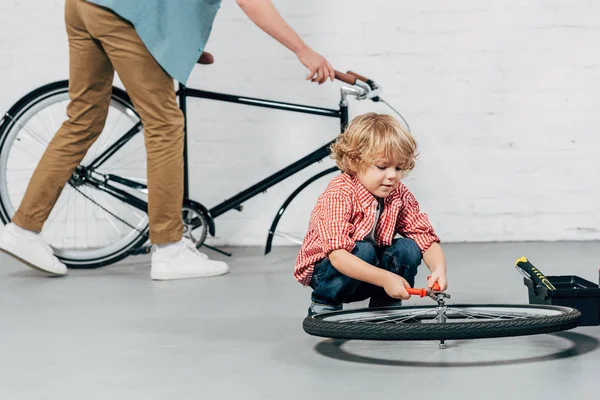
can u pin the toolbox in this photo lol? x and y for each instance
(562, 290)
(571, 291)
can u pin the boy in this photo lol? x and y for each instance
(349, 252)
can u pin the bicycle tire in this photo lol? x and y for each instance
(560, 318)
(321, 178)
(17, 118)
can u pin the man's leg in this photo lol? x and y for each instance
(332, 288)
(90, 85)
(403, 258)
(152, 92)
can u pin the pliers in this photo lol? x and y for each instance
(435, 293)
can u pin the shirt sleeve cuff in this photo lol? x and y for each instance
(424, 241)
(338, 244)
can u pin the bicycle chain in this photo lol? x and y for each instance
(118, 218)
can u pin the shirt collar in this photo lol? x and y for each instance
(366, 198)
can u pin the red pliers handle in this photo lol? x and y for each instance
(424, 292)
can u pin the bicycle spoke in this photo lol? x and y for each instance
(53, 124)
(57, 212)
(485, 315)
(409, 317)
(85, 235)
(33, 134)
(111, 212)
(13, 181)
(96, 209)
(428, 315)
(18, 188)
(127, 156)
(109, 135)
(36, 157)
(397, 316)
(70, 207)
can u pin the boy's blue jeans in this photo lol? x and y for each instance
(331, 288)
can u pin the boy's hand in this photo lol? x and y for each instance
(438, 275)
(396, 286)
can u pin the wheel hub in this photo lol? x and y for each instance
(195, 224)
(78, 176)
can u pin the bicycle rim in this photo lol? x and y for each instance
(423, 322)
(87, 227)
(291, 222)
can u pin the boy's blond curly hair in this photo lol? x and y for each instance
(371, 137)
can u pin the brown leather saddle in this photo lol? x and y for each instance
(206, 58)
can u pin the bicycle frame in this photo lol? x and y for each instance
(88, 176)
(322, 152)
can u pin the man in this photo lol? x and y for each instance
(148, 43)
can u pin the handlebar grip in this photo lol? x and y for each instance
(534, 273)
(349, 79)
(359, 77)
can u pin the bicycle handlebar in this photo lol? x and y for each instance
(359, 77)
(364, 88)
(346, 78)
(368, 89)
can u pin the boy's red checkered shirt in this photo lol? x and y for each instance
(345, 213)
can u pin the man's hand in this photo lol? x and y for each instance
(396, 286)
(438, 275)
(319, 68)
(264, 14)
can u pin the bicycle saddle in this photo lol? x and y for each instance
(206, 58)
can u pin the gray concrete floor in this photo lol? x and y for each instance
(112, 333)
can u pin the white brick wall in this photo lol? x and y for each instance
(502, 97)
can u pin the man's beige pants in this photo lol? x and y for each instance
(100, 42)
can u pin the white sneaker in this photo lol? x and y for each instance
(182, 260)
(188, 242)
(30, 248)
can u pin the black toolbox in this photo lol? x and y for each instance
(571, 291)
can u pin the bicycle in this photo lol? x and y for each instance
(101, 216)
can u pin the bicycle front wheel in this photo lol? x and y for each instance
(458, 322)
(87, 227)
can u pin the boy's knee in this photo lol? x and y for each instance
(366, 252)
(408, 252)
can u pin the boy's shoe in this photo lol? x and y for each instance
(29, 248)
(182, 260)
(375, 302)
(318, 308)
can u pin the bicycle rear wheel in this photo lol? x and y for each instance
(87, 227)
(423, 322)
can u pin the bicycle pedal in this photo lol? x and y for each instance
(140, 250)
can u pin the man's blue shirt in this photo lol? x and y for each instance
(174, 31)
